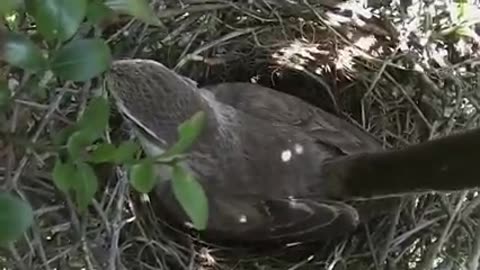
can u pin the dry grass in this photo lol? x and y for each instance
(401, 76)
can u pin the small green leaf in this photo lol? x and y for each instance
(19, 51)
(16, 216)
(58, 19)
(142, 176)
(7, 6)
(62, 136)
(191, 196)
(96, 115)
(188, 133)
(85, 186)
(462, 10)
(63, 175)
(104, 152)
(136, 8)
(465, 31)
(77, 143)
(97, 11)
(81, 60)
(126, 151)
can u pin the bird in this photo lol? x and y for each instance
(274, 167)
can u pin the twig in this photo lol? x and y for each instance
(20, 264)
(212, 44)
(36, 136)
(391, 233)
(116, 223)
(372, 248)
(436, 247)
(473, 261)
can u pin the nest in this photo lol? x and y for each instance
(403, 73)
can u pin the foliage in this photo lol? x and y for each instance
(62, 48)
(15, 218)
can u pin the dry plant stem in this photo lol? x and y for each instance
(193, 255)
(41, 250)
(433, 252)
(120, 31)
(32, 104)
(249, 13)
(103, 216)
(403, 237)
(472, 206)
(152, 243)
(117, 220)
(373, 252)
(24, 161)
(62, 254)
(141, 37)
(73, 215)
(339, 249)
(86, 253)
(13, 181)
(168, 13)
(20, 264)
(13, 125)
(374, 83)
(212, 44)
(414, 105)
(302, 263)
(180, 29)
(190, 42)
(378, 75)
(391, 234)
(473, 261)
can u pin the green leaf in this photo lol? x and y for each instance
(142, 176)
(58, 19)
(63, 135)
(104, 152)
(77, 143)
(97, 11)
(7, 6)
(16, 216)
(126, 152)
(85, 185)
(96, 115)
(136, 8)
(191, 196)
(465, 31)
(64, 175)
(188, 133)
(82, 60)
(19, 51)
(462, 10)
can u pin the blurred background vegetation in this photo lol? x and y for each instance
(406, 71)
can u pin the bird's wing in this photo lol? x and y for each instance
(283, 220)
(275, 106)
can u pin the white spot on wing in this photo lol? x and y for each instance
(242, 219)
(286, 155)
(298, 149)
(300, 206)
